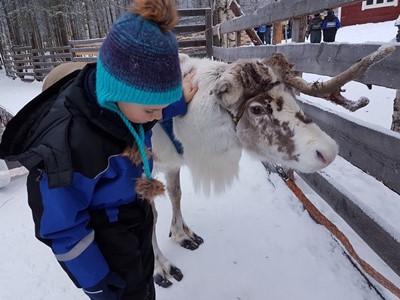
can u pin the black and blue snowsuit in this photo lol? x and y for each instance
(81, 189)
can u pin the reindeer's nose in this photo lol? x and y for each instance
(321, 157)
(325, 158)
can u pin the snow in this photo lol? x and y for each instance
(259, 242)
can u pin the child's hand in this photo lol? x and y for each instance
(187, 84)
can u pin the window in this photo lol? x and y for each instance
(369, 4)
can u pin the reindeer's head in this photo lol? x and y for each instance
(270, 124)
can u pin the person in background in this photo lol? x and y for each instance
(330, 26)
(287, 29)
(86, 143)
(314, 29)
(268, 34)
(261, 32)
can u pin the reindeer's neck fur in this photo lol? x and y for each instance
(211, 148)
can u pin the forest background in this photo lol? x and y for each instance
(52, 23)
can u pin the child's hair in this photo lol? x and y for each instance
(163, 12)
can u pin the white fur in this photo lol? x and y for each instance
(207, 133)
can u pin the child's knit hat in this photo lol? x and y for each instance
(138, 62)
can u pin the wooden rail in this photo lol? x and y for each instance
(374, 152)
(327, 59)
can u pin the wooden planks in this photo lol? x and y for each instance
(328, 59)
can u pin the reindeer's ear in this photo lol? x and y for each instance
(227, 91)
(221, 87)
(183, 57)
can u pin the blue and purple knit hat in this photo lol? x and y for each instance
(138, 62)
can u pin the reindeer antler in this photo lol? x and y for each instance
(330, 89)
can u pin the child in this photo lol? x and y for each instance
(86, 141)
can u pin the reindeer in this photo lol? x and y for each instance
(246, 105)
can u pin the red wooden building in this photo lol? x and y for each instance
(370, 11)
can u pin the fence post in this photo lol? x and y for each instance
(208, 33)
(396, 113)
(396, 102)
(299, 28)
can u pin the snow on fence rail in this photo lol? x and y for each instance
(30, 64)
(376, 153)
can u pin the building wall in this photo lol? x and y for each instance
(353, 14)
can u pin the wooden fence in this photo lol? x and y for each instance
(194, 38)
(375, 152)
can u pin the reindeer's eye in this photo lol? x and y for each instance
(256, 110)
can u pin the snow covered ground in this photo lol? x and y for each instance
(259, 242)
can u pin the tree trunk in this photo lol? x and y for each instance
(225, 14)
(6, 36)
(15, 35)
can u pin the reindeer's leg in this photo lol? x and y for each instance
(162, 267)
(180, 232)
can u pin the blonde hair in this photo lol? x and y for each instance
(163, 12)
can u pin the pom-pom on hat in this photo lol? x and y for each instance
(138, 63)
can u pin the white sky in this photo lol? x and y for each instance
(259, 242)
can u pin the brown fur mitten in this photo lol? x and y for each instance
(134, 155)
(149, 188)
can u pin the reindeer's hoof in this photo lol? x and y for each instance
(198, 239)
(189, 244)
(176, 273)
(162, 281)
